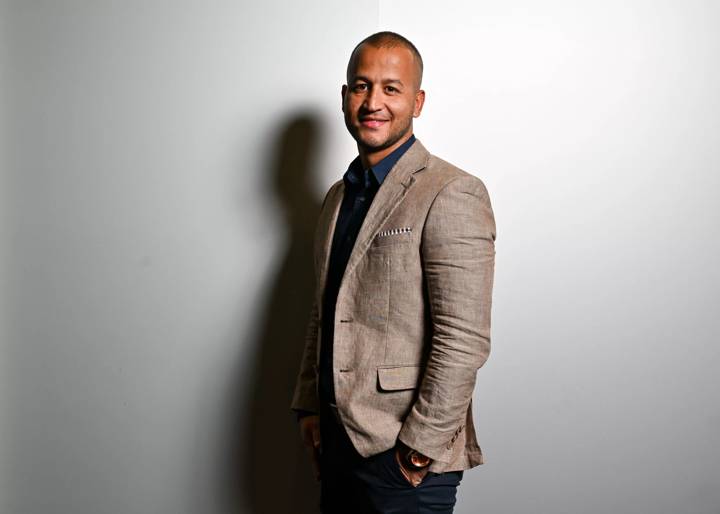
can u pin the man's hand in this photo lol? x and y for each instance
(412, 475)
(310, 435)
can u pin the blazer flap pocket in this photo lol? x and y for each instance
(399, 377)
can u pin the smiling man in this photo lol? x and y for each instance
(400, 322)
(381, 98)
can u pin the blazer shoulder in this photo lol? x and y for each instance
(333, 186)
(330, 191)
(442, 173)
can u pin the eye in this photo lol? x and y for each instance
(391, 89)
(359, 87)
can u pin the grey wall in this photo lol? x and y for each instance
(161, 174)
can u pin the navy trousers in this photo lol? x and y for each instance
(352, 484)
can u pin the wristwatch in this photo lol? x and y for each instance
(414, 459)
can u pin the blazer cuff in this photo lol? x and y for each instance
(436, 445)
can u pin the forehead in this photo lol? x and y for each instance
(380, 63)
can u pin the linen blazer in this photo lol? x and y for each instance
(412, 319)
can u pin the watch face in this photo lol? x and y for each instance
(418, 461)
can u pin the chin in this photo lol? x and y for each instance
(373, 143)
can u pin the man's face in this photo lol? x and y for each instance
(381, 97)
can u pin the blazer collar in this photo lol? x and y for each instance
(412, 161)
(355, 175)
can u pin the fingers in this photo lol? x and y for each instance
(307, 438)
(316, 449)
(310, 435)
(309, 425)
(317, 442)
(315, 458)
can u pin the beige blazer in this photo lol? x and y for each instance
(412, 321)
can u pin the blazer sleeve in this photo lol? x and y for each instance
(458, 255)
(305, 395)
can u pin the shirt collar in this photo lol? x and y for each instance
(355, 176)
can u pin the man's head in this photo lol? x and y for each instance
(382, 94)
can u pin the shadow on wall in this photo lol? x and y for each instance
(266, 469)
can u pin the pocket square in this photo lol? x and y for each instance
(394, 231)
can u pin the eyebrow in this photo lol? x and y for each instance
(386, 81)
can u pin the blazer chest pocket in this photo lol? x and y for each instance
(392, 237)
(397, 378)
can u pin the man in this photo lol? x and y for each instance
(400, 323)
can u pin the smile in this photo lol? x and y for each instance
(373, 123)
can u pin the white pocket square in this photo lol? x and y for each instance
(394, 231)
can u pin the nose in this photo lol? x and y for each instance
(373, 101)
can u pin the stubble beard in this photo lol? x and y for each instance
(370, 145)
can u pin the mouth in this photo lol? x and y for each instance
(372, 123)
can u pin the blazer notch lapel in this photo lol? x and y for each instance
(392, 191)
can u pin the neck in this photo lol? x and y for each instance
(370, 158)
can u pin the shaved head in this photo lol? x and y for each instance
(386, 39)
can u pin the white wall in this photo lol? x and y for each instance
(165, 165)
(152, 148)
(595, 126)
(4, 264)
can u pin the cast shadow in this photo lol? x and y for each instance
(266, 469)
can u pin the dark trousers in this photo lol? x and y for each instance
(352, 484)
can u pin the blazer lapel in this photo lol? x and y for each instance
(388, 197)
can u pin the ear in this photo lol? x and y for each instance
(419, 102)
(343, 90)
